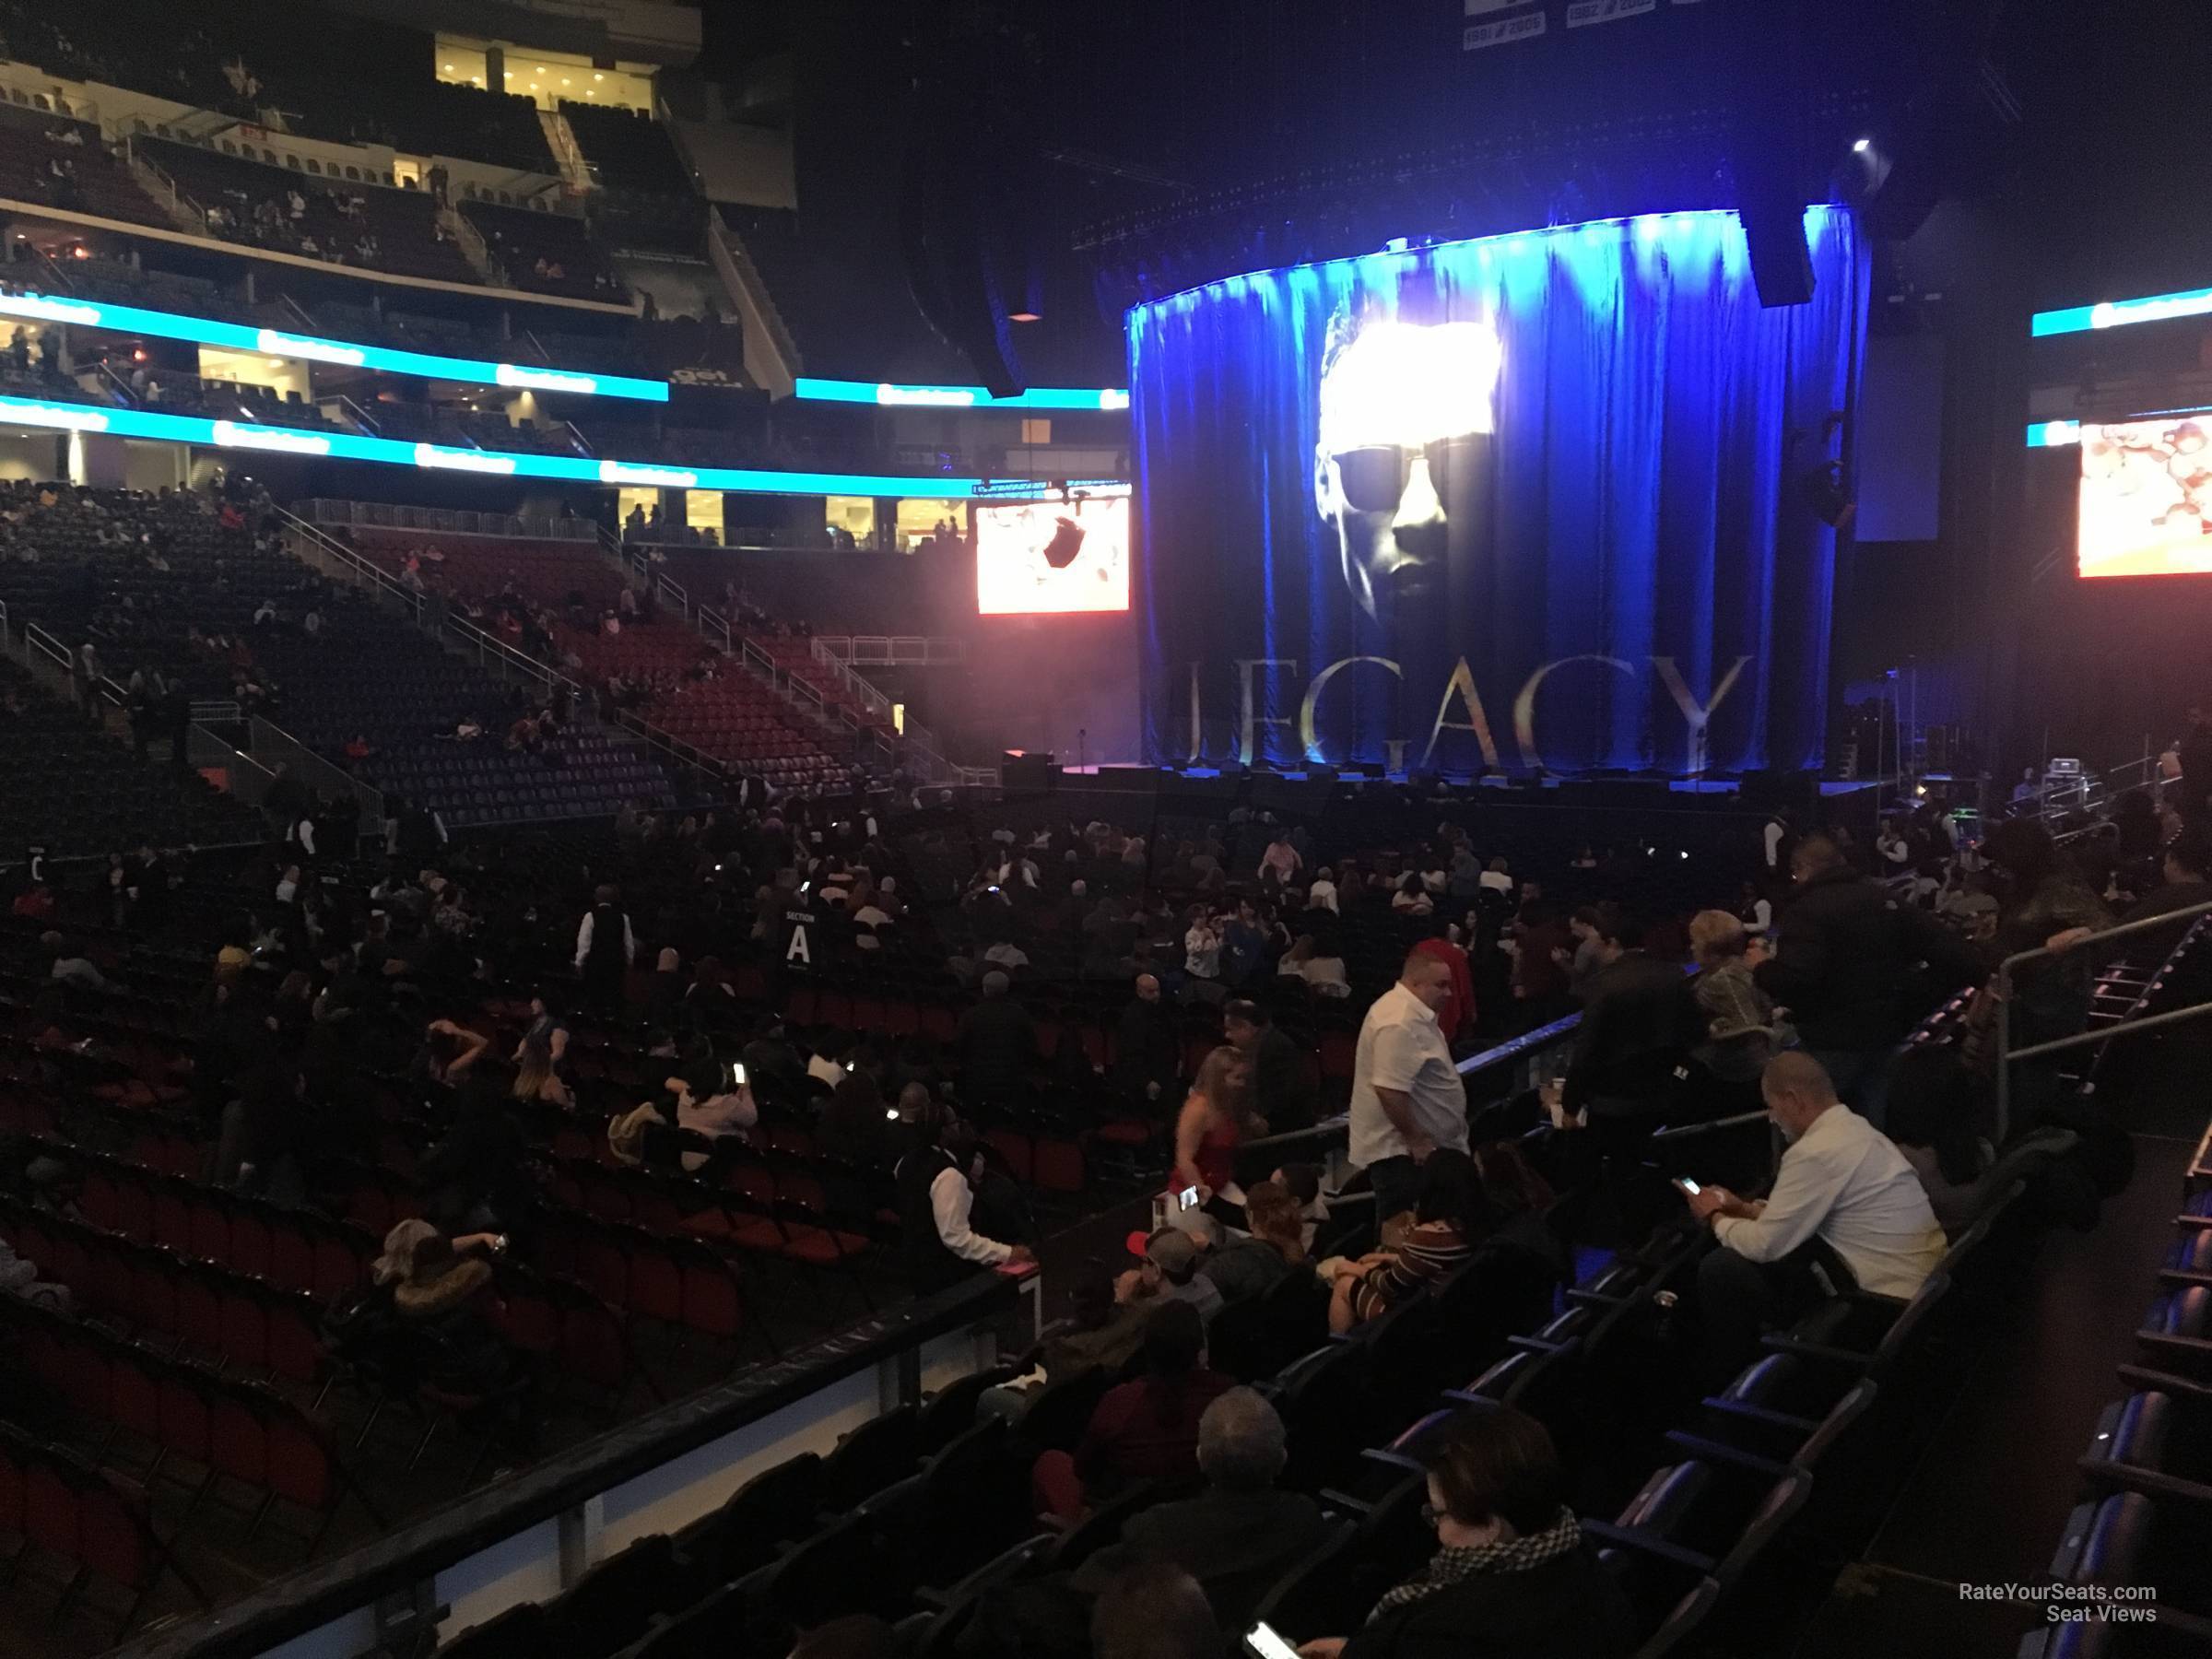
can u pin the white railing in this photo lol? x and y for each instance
(59, 655)
(715, 625)
(672, 593)
(243, 776)
(378, 515)
(875, 701)
(329, 555)
(493, 651)
(893, 651)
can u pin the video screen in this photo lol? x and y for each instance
(1044, 556)
(2147, 497)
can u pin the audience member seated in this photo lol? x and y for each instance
(64, 163)
(1237, 1536)
(1144, 1430)
(1167, 1271)
(1441, 1238)
(1933, 1117)
(1242, 1266)
(1742, 1031)
(1846, 1213)
(545, 252)
(1512, 1578)
(1154, 1611)
(339, 221)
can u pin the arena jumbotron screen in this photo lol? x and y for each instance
(1044, 556)
(2147, 497)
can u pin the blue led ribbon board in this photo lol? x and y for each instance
(272, 342)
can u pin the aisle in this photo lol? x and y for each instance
(1988, 1501)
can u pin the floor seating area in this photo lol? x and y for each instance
(191, 1372)
(77, 790)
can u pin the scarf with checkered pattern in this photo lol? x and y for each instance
(1514, 1555)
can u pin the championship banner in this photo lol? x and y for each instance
(1532, 504)
(1582, 14)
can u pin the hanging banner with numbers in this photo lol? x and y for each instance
(1582, 14)
(1476, 37)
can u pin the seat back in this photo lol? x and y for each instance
(869, 1458)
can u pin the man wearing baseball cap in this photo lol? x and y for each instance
(1169, 1272)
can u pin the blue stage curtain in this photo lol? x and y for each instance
(1638, 533)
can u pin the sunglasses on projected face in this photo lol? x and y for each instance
(1374, 477)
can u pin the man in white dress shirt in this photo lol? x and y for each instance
(1407, 1099)
(1843, 1195)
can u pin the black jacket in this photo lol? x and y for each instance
(930, 1265)
(1146, 1049)
(1569, 1605)
(1282, 1087)
(997, 1044)
(1235, 1544)
(1639, 1020)
(1843, 960)
(2195, 758)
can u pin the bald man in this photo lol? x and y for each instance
(1147, 1055)
(1845, 1204)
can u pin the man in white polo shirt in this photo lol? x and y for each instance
(1843, 1192)
(1407, 1099)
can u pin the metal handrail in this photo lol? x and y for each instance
(328, 547)
(361, 418)
(267, 738)
(2002, 985)
(377, 515)
(50, 646)
(483, 640)
(247, 778)
(893, 651)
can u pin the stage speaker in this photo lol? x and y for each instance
(1781, 263)
(1021, 770)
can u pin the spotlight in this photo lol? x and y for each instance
(1862, 146)
(1022, 316)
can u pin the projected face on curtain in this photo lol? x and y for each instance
(1405, 414)
(1517, 504)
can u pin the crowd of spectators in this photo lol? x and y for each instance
(351, 79)
(545, 252)
(339, 222)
